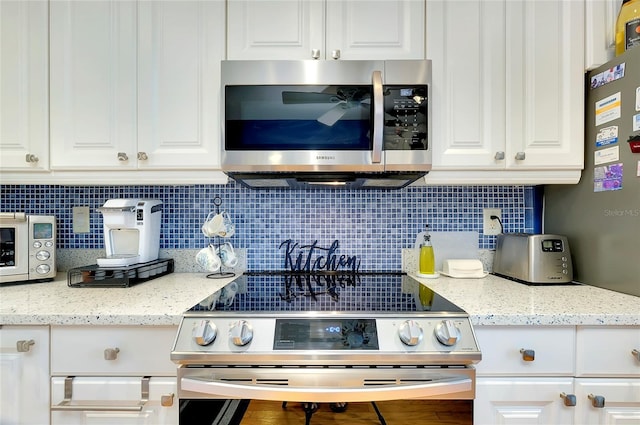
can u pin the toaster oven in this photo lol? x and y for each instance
(27, 247)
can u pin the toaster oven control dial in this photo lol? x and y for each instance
(204, 332)
(447, 332)
(240, 333)
(410, 332)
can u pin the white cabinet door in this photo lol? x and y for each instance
(620, 401)
(24, 85)
(112, 400)
(545, 84)
(93, 84)
(375, 29)
(181, 44)
(514, 401)
(600, 33)
(608, 351)
(24, 368)
(507, 89)
(318, 29)
(279, 29)
(466, 43)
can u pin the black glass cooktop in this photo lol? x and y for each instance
(327, 291)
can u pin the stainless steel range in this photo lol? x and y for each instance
(323, 337)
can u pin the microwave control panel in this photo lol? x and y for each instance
(405, 124)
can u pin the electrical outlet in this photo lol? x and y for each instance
(489, 226)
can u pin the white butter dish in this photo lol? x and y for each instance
(463, 269)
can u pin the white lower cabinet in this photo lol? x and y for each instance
(585, 375)
(111, 400)
(24, 373)
(511, 401)
(113, 374)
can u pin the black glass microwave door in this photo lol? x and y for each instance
(298, 117)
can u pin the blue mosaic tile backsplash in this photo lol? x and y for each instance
(373, 225)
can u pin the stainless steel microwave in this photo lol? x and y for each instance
(27, 247)
(303, 124)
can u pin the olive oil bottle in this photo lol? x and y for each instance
(427, 258)
(628, 26)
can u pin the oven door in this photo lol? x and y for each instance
(227, 393)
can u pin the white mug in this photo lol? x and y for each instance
(227, 255)
(218, 225)
(208, 259)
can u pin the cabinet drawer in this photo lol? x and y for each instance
(141, 350)
(607, 351)
(553, 350)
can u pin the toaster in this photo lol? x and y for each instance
(533, 258)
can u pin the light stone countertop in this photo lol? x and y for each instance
(496, 301)
(489, 301)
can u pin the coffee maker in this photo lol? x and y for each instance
(131, 231)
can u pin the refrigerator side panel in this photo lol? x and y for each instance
(603, 227)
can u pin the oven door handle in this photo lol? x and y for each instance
(461, 388)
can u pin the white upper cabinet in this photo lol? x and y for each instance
(180, 47)
(136, 86)
(507, 90)
(600, 31)
(24, 85)
(317, 29)
(545, 85)
(93, 84)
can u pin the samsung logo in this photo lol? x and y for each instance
(325, 157)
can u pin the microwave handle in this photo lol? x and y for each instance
(378, 117)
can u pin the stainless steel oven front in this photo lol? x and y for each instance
(227, 359)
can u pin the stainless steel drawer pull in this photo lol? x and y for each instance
(520, 156)
(101, 405)
(111, 353)
(167, 400)
(528, 355)
(597, 401)
(23, 346)
(636, 353)
(569, 399)
(122, 156)
(31, 158)
(499, 156)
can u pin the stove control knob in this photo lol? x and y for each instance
(447, 332)
(204, 332)
(240, 333)
(410, 332)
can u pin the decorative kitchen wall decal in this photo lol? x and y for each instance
(310, 257)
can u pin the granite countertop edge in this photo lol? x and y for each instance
(490, 301)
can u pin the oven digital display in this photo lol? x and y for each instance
(42, 230)
(325, 334)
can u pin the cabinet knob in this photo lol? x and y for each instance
(31, 158)
(315, 53)
(636, 353)
(142, 156)
(569, 399)
(528, 355)
(499, 155)
(122, 156)
(597, 401)
(23, 346)
(111, 353)
(335, 54)
(520, 156)
(166, 400)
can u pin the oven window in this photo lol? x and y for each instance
(7, 247)
(298, 117)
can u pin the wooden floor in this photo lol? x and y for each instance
(422, 412)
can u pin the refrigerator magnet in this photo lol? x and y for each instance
(638, 99)
(634, 144)
(636, 122)
(608, 109)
